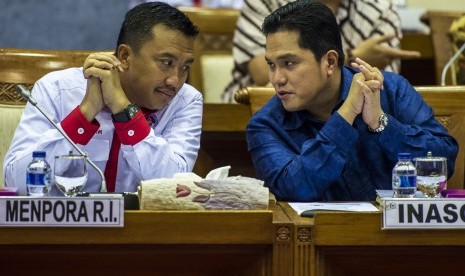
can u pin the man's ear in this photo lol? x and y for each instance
(331, 59)
(124, 55)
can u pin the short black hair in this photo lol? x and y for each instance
(316, 23)
(140, 20)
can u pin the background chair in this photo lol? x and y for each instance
(256, 97)
(212, 69)
(26, 66)
(439, 22)
(448, 103)
(9, 118)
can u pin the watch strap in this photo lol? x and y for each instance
(126, 115)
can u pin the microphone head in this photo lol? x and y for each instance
(25, 93)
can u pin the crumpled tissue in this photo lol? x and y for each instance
(217, 191)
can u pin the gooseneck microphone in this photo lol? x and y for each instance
(26, 94)
(449, 63)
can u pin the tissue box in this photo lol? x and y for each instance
(8, 191)
(218, 191)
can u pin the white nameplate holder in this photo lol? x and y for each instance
(61, 211)
(423, 213)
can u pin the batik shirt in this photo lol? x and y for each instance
(358, 21)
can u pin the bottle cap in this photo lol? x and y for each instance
(404, 155)
(38, 154)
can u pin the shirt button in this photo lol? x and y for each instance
(80, 130)
(131, 132)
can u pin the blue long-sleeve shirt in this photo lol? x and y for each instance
(304, 159)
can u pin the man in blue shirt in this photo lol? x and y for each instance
(333, 132)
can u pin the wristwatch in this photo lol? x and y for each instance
(383, 121)
(126, 115)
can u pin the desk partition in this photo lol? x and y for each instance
(223, 140)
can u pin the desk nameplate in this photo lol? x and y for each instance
(61, 212)
(423, 213)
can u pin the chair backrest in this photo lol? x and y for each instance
(211, 71)
(255, 96)
(440, 22)
(26, 66)
(448, 103)
(9, 118)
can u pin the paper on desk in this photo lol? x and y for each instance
(300, 207)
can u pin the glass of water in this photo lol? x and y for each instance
(431, 175)
(70, 173)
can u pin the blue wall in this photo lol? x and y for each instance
(61, 24)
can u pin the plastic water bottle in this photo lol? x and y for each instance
(38, 175)
(404, 176)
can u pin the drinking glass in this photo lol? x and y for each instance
(70, 173)
(431, 175)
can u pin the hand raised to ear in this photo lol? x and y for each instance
(375, 53)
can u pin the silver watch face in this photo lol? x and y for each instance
(383, 121)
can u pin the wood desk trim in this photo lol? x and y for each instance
(346, 231)
(283, 241)
(177, 231)
(304, 248)
(364, 229)
(157, 227)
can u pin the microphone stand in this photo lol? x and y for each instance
(26, 94)
(449, 63)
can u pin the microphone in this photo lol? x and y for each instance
(26, 94)
(449, 63)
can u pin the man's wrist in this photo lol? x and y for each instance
(88, 112)
(347, 114)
